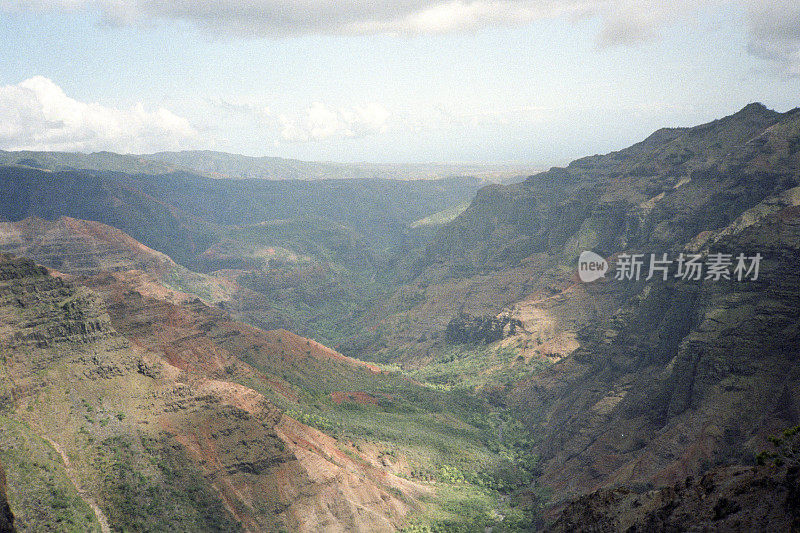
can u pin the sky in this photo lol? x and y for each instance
(537, 82)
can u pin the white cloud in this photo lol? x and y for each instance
(465, 15)
(320, 122)
(36, 114)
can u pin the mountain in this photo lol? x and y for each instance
(684, 375)
(224, 165)
(146, 409)
(341, 234)
(96, 161)
(180, 213)
(732, 498)
(75, 248)
(638, 384)
(78, 246)
(163, 412)
(518, 243)
(708, 175)
(474, 381)
(233, 166)
(178, 210)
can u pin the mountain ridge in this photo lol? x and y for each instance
(504, 373)
(223, 165)
(126, 360)
(521, 240)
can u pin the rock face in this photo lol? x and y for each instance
(685, 375)
(660, 192)
(734, 498)
(515, 243)
(84, 248)
(652, 381)
(146, 405)
(78, 247)
(675, 377)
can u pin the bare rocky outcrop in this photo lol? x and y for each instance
(734, 498)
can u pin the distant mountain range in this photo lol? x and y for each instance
(232, 166)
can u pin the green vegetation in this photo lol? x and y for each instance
(786, 448)
(320, 300)
(467, 509)
(442, 217)
(469, 366)
(480, 457)
(451, 436)
(149, 484)
(311, 419)
(183, 280)
(40, 493)
(184, 214)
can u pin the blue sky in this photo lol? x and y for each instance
(539, 82)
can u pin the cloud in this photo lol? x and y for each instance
(258, 18)
(774, 29)
(243, 106)
(320, 123)
(627, 22)
(622, 21)
(36, 114)
(773, 26)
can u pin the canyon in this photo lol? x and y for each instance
(160, 367)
